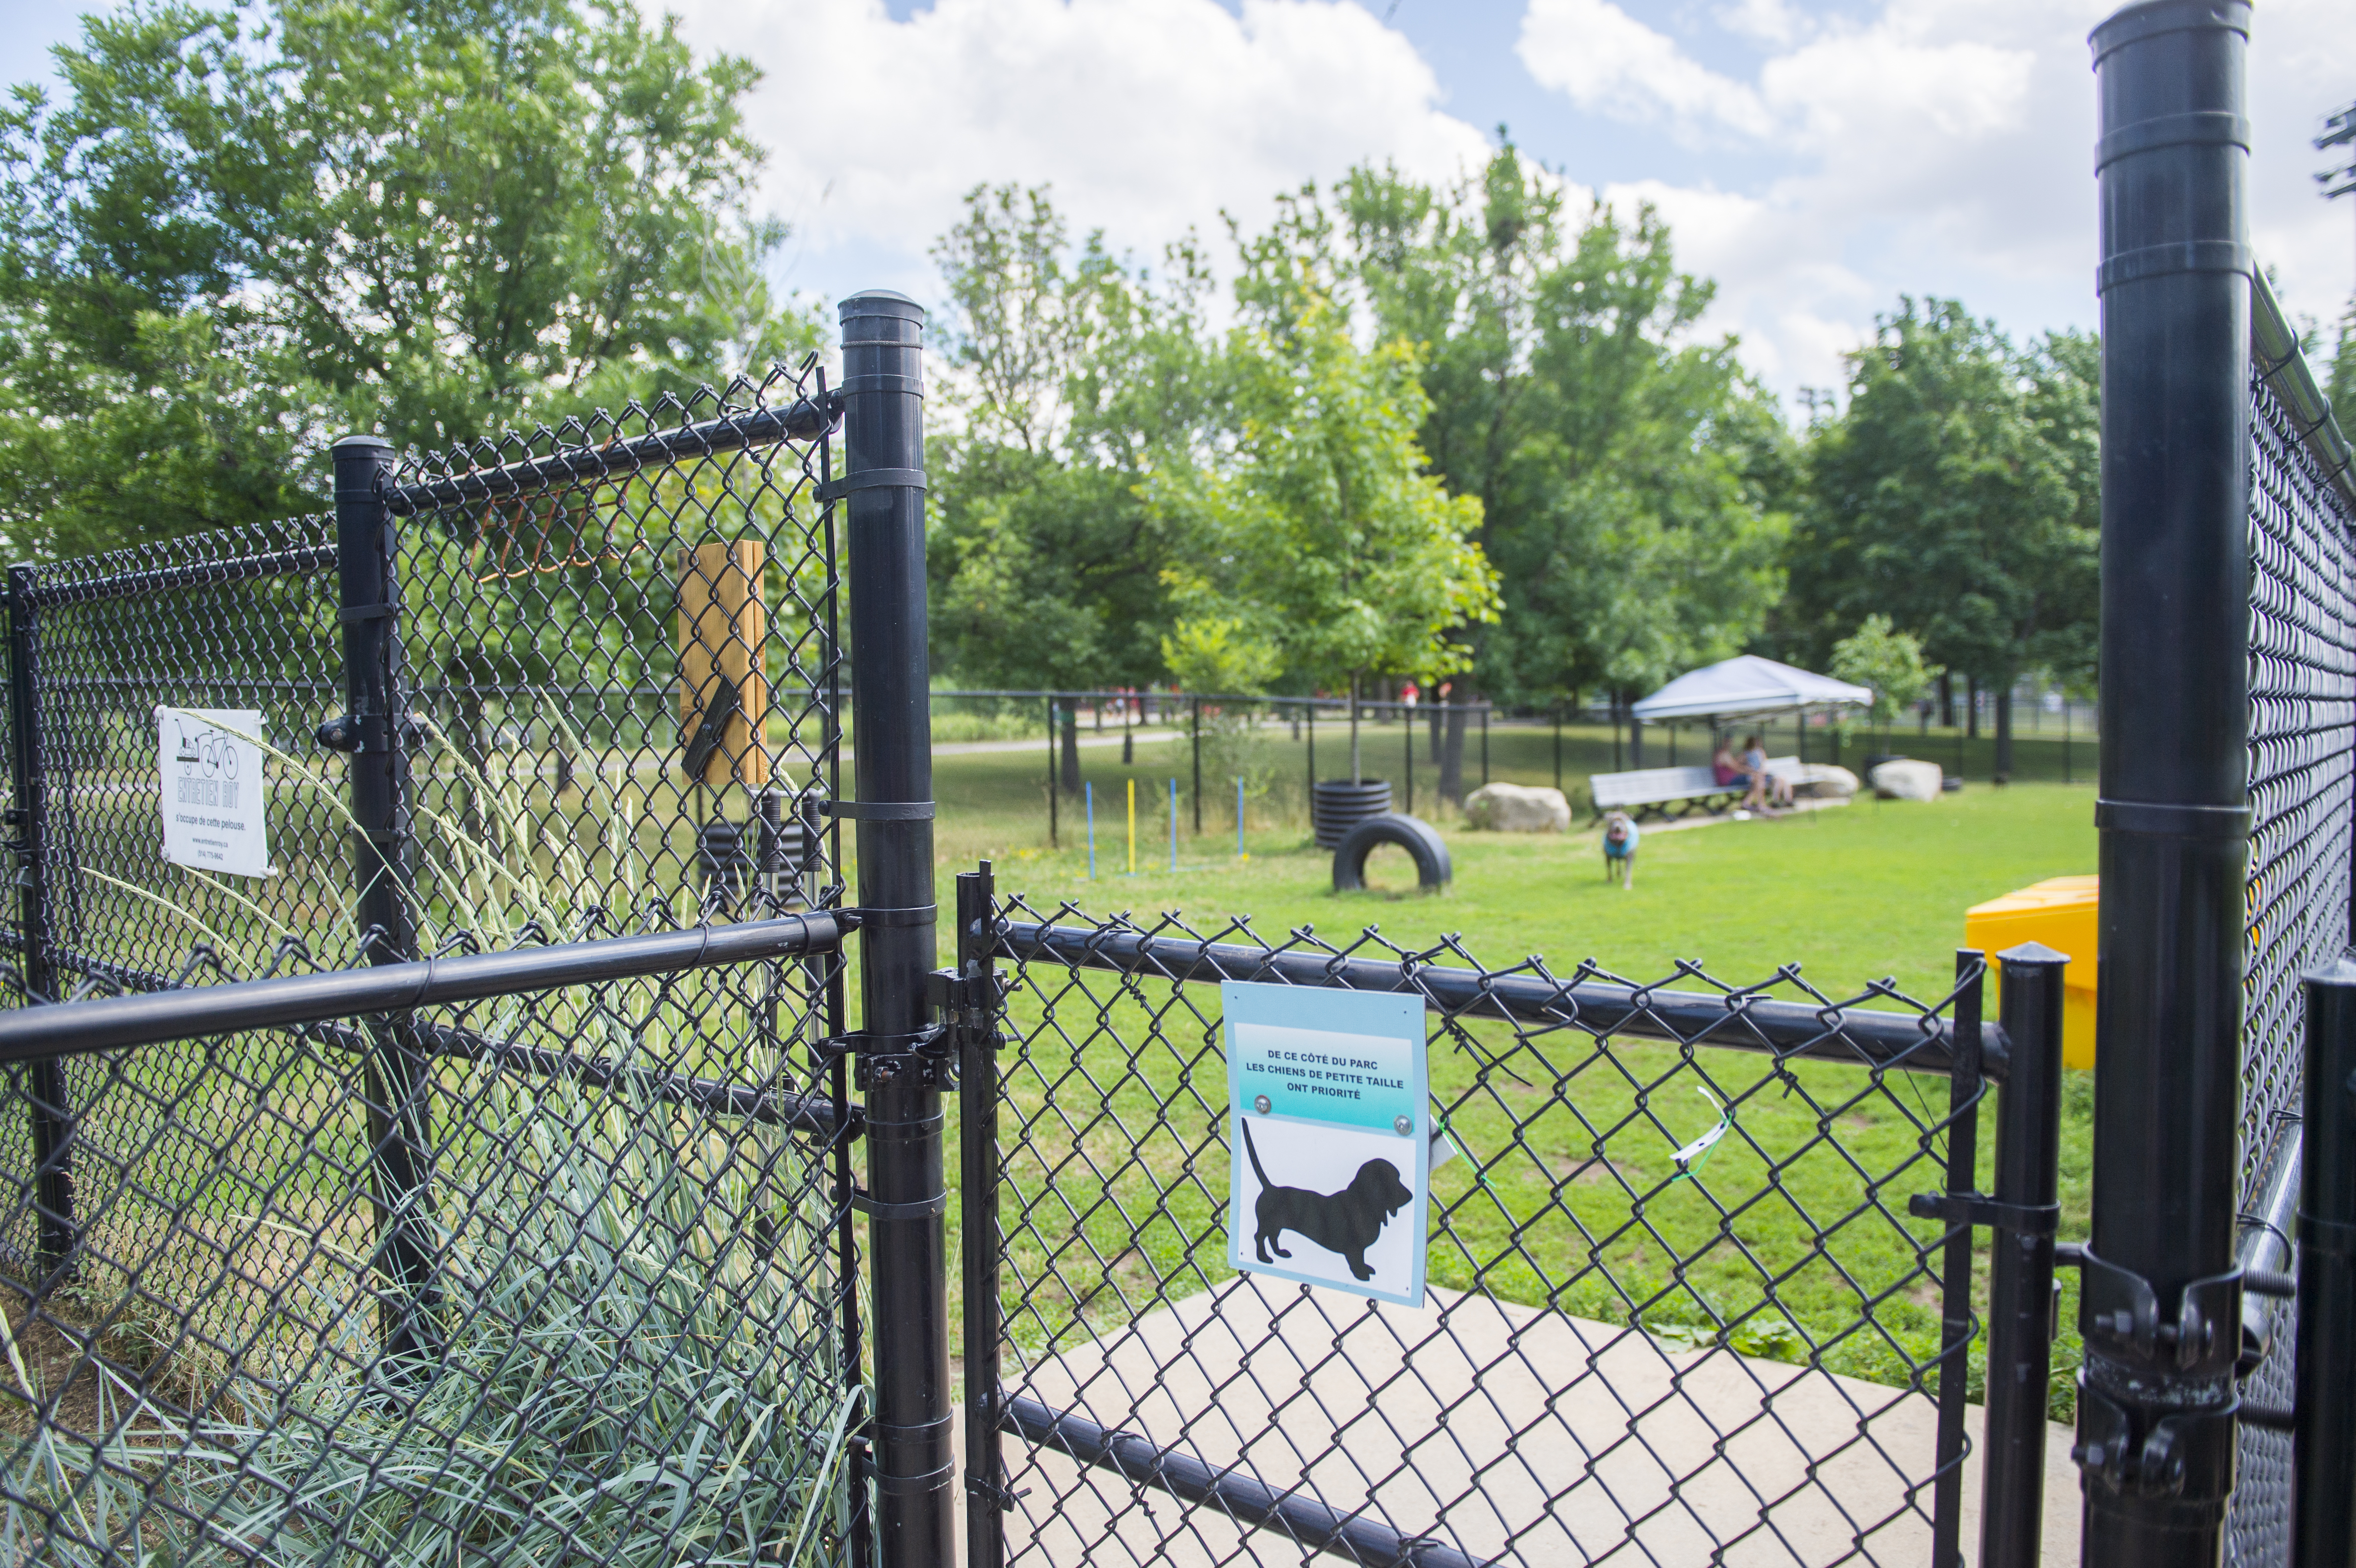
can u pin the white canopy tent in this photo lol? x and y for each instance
(1747, 686)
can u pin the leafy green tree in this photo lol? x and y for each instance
(251, 228)
(1326, 542)
(1071, 382)
(1887, 661)
(1958, 495)
(1635, 483)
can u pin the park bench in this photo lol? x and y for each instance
(1650, 792)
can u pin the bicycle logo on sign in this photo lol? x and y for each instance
(209, 752)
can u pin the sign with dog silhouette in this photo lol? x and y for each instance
(1328, 1125)
(213, 797)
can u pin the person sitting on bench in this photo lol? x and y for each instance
(1725, 769)
(1765, 788)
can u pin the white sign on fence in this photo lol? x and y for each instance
(1328, 1118)
(213, 799)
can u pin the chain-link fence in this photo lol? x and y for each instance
(617, 1338)
(1645, 1338)
(2302, 787)
(588, 683)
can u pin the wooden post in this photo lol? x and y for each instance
(724, 692)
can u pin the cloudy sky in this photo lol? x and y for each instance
(1817, 158)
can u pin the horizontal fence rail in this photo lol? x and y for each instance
(1292, 1515)
(111, 1023)
(803, 419)
(194, 574)
(1735, 1020)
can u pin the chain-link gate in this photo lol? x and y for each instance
(517, 1279)
(1628, 1349)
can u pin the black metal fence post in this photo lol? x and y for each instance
(399, 1082)
(1957, 1325)
(1311, 706)
(1407, 754)
(45, 1081)
(1052, 785)
(1484, 742)
(2020, 1274)
(985, 1470)
(2323, 1438)
(2161, 1295)
(1198, 767)
(883, 489)
(1558, 745)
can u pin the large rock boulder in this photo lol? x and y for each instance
(1516, 808)
(1905, 779)
(1825, 781)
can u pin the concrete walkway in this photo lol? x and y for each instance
(1516, 1435)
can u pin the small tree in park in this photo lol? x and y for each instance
(1327, 543)
(1888, 661)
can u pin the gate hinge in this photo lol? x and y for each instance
(924, 1056)
(2118, 1312)
(2185, 1454)
(1973, 1208)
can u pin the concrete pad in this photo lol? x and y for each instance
(1512, 1433)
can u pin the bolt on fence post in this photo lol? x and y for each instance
(1965, 1086)
(883, 490)
(46, 1088)
(2020, 1272)
(985, 1470)
(2323, 1438)
(398, 1086)
(2160, 1291)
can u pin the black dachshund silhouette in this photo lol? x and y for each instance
(1347, 1222)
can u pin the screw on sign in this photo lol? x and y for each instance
(1331, 1170)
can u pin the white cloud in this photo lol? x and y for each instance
(1607, 60)
(1936, 146)
(1769, 21)
(1146, 116)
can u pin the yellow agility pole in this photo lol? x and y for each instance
(1132, 828)
(724, 692)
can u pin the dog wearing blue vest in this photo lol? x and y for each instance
(1620, 838)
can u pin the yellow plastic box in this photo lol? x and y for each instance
(2061, 914)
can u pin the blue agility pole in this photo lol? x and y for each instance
(1090, 790)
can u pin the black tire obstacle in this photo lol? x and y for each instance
(1412, 833)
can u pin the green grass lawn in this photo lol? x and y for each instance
(1791, 1242)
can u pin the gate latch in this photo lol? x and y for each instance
(955, 993)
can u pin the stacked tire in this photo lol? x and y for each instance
(1336, 806)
